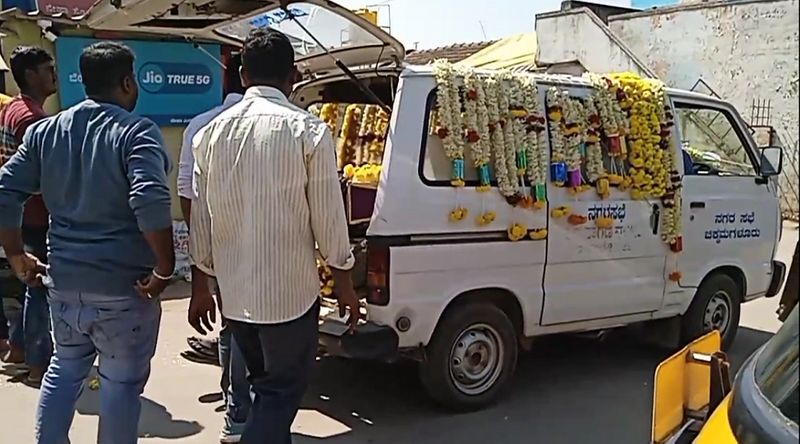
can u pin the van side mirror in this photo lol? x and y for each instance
(771, 161)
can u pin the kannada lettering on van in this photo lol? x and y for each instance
(613, 211)
(733, 226)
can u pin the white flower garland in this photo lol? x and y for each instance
(555, 111)
(507, 188)
(594, 153)
(478, 127)
(450, 130)
(517, 118)
(573, 117)
(506, 126)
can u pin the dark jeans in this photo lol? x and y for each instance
(279, 359)
(234, 384)
(36, 314)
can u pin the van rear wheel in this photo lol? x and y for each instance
(716, 306)
(470, 358)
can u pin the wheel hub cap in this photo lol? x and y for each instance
(476, 359)
(718, 313)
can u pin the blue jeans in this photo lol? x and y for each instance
(279, 358)
(36, 314)
(234, 384)
(123, 331)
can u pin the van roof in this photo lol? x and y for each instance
(562, 79)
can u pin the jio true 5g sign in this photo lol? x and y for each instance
(177, 81)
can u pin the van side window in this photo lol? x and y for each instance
(436, 168)
(711, 143)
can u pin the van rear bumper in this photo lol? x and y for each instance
(370, 341)
(778, 276)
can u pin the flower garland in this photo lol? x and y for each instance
(364, 133)
(517, 118)
(349, 136)
(536, 143)
(477, 128)
(507, 128)
(377, 137)
(574, 132)
(330, 115)
(450, 129)
(650, 176)
(614, 122)
(595, 170)
(558, 158)
(493, 91)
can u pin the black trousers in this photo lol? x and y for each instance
(279, 358)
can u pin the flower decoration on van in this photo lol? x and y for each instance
(555, 111)
(561, 211)
(494, 90)
(348, 140)
(458, 214)
(477, 128)
(595, 169)
(450, 120)
(486, 218)
(329, 113)
(577, 219)
(517, 231)
(604, 223)
(614, 124)
(538, 234)
(507, 121)
(574, 134)
(376, 137)
(536, 146)
(365, 134)
(363, 174)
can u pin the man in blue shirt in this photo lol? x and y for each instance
(102, 172)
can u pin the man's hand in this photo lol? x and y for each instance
(151, 286)
(202, 310)
(28, 268)
(347, 298)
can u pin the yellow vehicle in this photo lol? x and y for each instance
(694, 401)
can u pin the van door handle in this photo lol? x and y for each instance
(655, 218)
(697, 205)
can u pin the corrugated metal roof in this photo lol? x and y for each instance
(453, 53)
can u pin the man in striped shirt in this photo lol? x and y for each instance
(268, 191)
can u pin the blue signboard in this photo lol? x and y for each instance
(176, 80)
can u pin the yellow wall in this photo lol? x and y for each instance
(18, 32)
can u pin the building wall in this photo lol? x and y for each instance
(744, 50)
(579, 35)
(28, 33)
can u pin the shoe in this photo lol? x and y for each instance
(231, 433)
(191, 355)
(35, 375)
(204, 346)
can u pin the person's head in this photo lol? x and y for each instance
(233, 80)
(107, 72)
(268, 60)
(34, 71)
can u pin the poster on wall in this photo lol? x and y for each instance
(176, 80)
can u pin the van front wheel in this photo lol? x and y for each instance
(716, 306)
(470, 358)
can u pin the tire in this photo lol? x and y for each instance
(482, 339)
(717, 304)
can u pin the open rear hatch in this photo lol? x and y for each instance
(349, 37)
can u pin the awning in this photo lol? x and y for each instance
(517, 53)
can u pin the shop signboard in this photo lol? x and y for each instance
(176, 80)
(70, 8)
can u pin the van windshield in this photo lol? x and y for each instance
(776, 371)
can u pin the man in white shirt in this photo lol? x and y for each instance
(268, 191)
(234, 385)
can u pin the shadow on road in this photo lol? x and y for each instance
(155, 421)
(565, 390)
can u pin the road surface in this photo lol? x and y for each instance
(566, 390)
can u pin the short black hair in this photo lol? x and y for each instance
(104, 65)
(268, 55)
(24, 58)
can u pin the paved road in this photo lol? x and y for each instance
(566, 390)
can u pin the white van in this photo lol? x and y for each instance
(462, 299)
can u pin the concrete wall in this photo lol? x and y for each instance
(743, 50)
(579, 35)
(24, 32)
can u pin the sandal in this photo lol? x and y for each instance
(205, 347)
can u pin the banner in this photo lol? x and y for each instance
(70, 8)
(177, 81)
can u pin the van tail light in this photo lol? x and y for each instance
(377, 275)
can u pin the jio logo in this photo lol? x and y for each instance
(152, 77)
